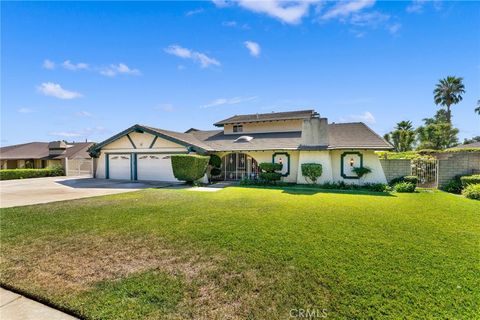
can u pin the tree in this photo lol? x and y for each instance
(437, 133)
(472, 140)
(448, 92)
(402, 137)
(477, 109)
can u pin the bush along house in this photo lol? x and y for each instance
(243, 142)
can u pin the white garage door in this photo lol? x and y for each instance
(154, 167)
(119, 166)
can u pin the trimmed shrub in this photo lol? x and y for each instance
(270, 167)
(270, 177)
(11, 174)
(215, 161)
(411, 179)
(189, 168)
(215, 172)
(361, 171)
(404, 187)
(472, 191)
(466, 180)
(312, 171)
(453, 186)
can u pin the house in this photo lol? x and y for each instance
(242, 142)
(73, 157)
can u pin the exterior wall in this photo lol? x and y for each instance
(395, 168)
(370, 159)
(142, 143)
(274, 126)
(458, 163)
(321, 157)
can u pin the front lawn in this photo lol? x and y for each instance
(248, 253)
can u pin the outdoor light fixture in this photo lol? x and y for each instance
(351, 162)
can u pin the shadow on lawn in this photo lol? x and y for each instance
(312, 191)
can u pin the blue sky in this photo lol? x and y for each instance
(88, 70)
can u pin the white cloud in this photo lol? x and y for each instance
(25, 110)
(79, 133)
(167, 107)
(369, 19)
(116, 69)
(253, 47)
(204, 60)
(221, 3)
(47, 64)
(229, 101)
(229, 23)
(346, 8)
(85, 114)
(394, 28)
(290, 12)
(365, 117)
(55, 90)
(194, 12)
(416, 6)
(65, 134)
(67, 64)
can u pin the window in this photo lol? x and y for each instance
(237, 128)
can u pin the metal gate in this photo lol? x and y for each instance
(236, 166)
(80, 167)
(427, 172)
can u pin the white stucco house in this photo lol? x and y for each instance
(243, 141)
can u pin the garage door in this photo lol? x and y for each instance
(154, 167)
(119, 166)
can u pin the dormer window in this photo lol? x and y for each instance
(243, 139)
(237, 128)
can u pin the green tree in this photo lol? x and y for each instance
(472, 140)
(448, 92)
(403, 137)
(477, 109)
(437, 133)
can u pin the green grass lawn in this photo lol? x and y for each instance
(248, 253)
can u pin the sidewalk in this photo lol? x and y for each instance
(16, 307)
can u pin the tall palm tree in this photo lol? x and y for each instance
(448, 91)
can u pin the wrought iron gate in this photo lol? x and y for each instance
(427, 172)
(236, 166)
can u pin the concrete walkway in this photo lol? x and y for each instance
(16, 307)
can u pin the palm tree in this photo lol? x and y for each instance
(448, 91)
(403, 136)
(477, 109)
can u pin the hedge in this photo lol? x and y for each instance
(474, 179)
(404, 187)
(270, 167)
(472, 191)
(11, 174)
(189, 168)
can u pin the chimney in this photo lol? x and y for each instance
(56, 148)
(315, 132)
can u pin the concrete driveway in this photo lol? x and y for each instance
(42, 190)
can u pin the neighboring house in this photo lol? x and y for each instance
(71, 156)
(292, 138)
(467, 145)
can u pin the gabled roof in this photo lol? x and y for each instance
(40, 151)
(341, 136)
(184, 139)
(468, 145)
(273, 116)
(355, 135)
